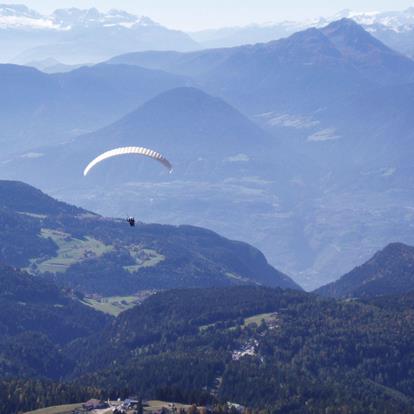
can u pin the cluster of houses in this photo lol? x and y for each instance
(127, 406)
(135, 405)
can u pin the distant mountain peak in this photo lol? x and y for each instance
(389, 271)
(17, 10)
(87, 17)
(348, 33)
(20, 16)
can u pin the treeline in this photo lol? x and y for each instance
(316, 356)
(18, 396)
(167, 320)
(313, 356)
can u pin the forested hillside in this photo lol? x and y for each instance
(390, 271)
(204, 346)
(95, 255)
(239, 344)
(36, 320)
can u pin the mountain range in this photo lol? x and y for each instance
(394, 28)
(58, 338)
(322, 93)
(79, 36)
(311, 157)
(39, 108)
(76, 36)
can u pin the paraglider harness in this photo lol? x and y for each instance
(131, 221)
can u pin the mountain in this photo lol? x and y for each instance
(205, 346)
(394, 28)
(94, 255)
(36, 320)
(75, 36)
(204, 137)
(51, 65)
(330, 95)
(222, 162)
(330, 64)
(390, 271)
(314, 212)
(38, 108)
(245, 35)
(208, 340)
(372, 58)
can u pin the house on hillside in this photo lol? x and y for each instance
(94, 405)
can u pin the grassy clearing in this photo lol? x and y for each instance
(67, 409)
(70, 252)
(143, 258)
(156, 405)
(257, 319)
(113, 305)
(62, 409)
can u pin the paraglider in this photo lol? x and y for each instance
(131, 221)
(128, 151)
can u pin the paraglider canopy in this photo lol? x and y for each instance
(127, 151)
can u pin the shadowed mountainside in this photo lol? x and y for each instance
(92, 254)
(390, 271)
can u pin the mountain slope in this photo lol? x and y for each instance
(95, 255)
(36, 320)
(372, 58)
(390, 271)
(203, 137)
(305, 60)
(242, 343)
(222, 162)
(38, 108)
(329, 64)
(204, 346)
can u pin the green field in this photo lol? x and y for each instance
(61, 409)
(257, 319)
(113, 305)
(67, 409)
(70, 252)
(143, 258)
(156, 405)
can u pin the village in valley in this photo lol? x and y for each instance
(135, 405)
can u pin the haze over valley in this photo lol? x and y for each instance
(306, 139)
(206, 221)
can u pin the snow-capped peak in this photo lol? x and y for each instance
(396, 21)
(21, 17)
(17, 10)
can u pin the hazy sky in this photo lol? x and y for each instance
(202, 14)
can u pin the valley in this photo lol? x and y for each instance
(292, 192)
(268, 269)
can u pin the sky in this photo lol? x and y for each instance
(193, 15)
